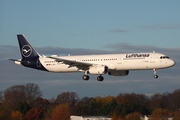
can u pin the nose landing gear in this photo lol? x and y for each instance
(155, 74)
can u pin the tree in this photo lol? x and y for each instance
(159, 114)
(70, 98)
(61, 112)
(23, 107)
(17, 96)
(116, 117)
(48, 112)
(4, 115)
(82, 107)
(16, 115)
(139, 100)
(133, 116)
(158, 101)
(176, 115)
(174, 100)
(104, 105)
(34, 114)
(41, 103)
(13, 96)
(1, 97)
(32, 92)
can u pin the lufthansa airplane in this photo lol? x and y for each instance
(111, 64)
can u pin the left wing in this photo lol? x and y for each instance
(71, 63)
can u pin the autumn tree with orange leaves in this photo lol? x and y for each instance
(25, 101)
(133, 116)
(16, 115)
(61, 112)
(34, 114)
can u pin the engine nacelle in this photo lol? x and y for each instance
(98, 70)
(119, 73)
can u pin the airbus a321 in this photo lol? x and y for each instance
(111, 64)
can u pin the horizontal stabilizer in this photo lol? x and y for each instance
(15, 60)
(18, 62)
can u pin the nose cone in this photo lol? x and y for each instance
(171, 63)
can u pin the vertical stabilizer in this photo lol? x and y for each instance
(26, 49)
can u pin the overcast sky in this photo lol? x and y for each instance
(91, 27)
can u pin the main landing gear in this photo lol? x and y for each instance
(85, 77)
(99, 78)
(155, 74)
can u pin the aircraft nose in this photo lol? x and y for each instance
(172, 63)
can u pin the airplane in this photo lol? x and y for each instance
(111, 64)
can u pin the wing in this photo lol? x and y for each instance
(71, 63)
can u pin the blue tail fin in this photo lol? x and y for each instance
(26, 49)
(30, 57)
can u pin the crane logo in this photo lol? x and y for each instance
(26, 51)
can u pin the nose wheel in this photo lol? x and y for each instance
(155, 74)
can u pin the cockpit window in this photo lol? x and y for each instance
(164, 57)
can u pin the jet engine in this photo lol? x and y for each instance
(119, 73)
(98, 70)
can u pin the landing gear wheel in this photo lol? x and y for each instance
(100, 78)
(85, 77)
(155, 76)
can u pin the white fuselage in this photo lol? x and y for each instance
(112, 64)
(130, 61)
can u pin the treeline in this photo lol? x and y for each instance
(25, 102)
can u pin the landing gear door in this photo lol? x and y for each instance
(152, 58)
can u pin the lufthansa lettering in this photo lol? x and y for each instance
(136, 55)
